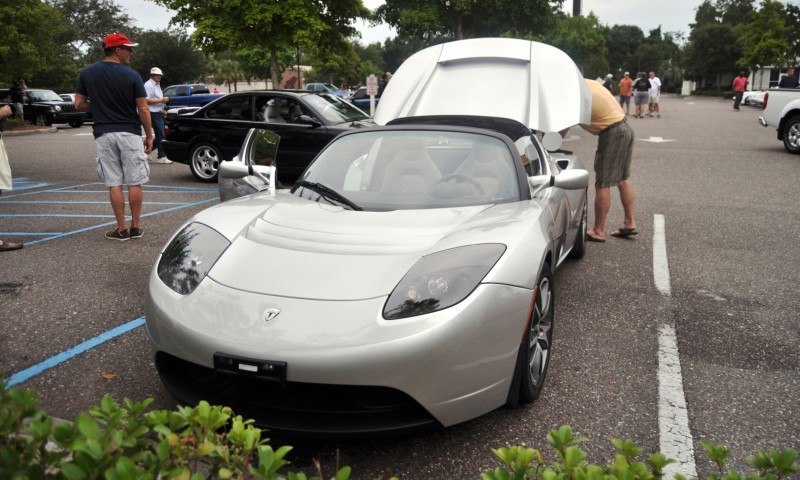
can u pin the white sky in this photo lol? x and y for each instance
(672, 15)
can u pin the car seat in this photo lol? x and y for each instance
(489, 166)
(410, 171)
(295, 113)
(274, 112)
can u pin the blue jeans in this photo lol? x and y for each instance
(157, 119)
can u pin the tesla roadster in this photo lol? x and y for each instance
(406, 281)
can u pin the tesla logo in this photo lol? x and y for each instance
(271, 313)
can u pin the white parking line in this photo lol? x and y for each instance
(675, 438)
(660, 264)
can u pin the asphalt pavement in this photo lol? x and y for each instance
(713, 187)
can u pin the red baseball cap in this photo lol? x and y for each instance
(118, 40)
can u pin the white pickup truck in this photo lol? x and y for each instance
(782, 111)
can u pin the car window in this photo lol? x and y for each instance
(232, 108)
(399, 170)
(171, 92)
(278, 109)
(333, 109)
(44, 96)
(197, 89)
(360, 93)
(532, 158)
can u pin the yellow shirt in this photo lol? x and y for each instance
(605, 108)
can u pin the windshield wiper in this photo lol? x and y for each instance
(326, 192)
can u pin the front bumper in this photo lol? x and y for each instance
(433, 370)
(69, 117)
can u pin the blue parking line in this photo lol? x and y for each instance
(30, 372)
(49, 190)
(146, 191)
(28, 234)
(78, 202)
(106, 224)
(53, 215)
(26, 184)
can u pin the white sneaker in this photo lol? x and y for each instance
(163, 160)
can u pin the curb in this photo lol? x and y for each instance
(29, 132)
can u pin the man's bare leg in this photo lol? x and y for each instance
(118, 204)
(602, 204)
(135, 201)
(627, 194)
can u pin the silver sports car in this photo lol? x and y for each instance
(406, 281)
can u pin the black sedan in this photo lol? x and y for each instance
(305, 122)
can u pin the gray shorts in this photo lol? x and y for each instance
(612, 162)
(640, 98)
(121, 159)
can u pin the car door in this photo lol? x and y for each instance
(259, 148)
(225, 124)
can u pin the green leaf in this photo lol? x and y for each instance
(87, 426)
(73, 472)
(343, 474)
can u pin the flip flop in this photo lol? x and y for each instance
(624, 232)
(590, 238)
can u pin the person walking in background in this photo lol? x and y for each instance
(155, 103)
(625, 88)
(18, 94)
(653, 94)
(790, 80)
(6, 182)
(119, 106)
(607, 83)
(739, 86)
(641, 87)
(612, 162)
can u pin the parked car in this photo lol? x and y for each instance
(195, 95)
(361, 100)
(782, 111)
(305, 121)
(70, 97)
(46, 107)
(327, 88)
(753, 98)
(406, 281)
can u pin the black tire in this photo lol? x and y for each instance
(204, 161)
(791, 135)
(41, 120)
(537, 342)
(579, 247)
(76, 124)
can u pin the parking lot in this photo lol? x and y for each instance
(714, 271)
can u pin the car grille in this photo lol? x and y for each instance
(67, 107)
(295, 408)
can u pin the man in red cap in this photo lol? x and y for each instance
(116, 96)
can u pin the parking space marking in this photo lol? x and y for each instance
(30, 372)
(675, 437)
(103, 191)
(26, 184)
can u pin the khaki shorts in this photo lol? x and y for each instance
(612, 162)
(121, 159)
(654, 99)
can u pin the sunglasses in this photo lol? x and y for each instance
(128, 49)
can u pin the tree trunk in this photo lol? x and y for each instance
(273, 65)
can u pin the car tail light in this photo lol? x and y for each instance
(766, 98)
(166, 131)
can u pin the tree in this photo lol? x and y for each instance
(173, 52)
(225, 69)
(793, 40)
(86, 22)
(272, 26)
(623, 41)
(712, 49)
(27, 46)
(432, 20)
(582, 39)
(763, 38)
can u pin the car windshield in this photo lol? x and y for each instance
(44, 96)
(416, 169)
(334, 110)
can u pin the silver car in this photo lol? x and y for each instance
(406, 280)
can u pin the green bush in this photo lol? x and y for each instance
(127, 441)
(521, 463)
(13, 123)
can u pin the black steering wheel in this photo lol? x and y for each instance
(461, 178)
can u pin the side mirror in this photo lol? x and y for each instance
(576, 179)
(309, 120)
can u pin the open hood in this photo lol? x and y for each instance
(533, 83)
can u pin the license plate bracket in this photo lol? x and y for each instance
(269, 370)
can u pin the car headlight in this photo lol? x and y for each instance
(57, 108)
(441, 280)
(189, 256)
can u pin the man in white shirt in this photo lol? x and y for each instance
(155, 102)
(654, 93)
